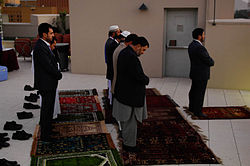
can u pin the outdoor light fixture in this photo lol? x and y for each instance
(143, 7)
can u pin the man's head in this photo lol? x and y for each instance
(199, 34)
(114, 31)
(45, 32)
(130, 38)
(140, 45)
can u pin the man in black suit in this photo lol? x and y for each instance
(46, 76)
(199, 72)
(129, 104)
(110, 47)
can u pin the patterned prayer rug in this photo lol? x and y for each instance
(235, 112)
(92, 158)
(160, 101)
(79, 99)
(74, 144)
(166, 138)
(86, 92)
(80, 108)
(82, 117)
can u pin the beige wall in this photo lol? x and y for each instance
(90, 20)
(228, 43)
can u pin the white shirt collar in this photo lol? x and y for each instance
(45, 42)
(198, 41)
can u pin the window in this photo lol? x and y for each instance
(242, 9)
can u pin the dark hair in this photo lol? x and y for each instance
(197, 32)
(143, 41)
(131, 37)
(43, 28)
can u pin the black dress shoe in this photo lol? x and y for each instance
(3, 135)
(34, 95)
(129, 148)
(30, 98)
(4, 162)
(4, 145)
(4, 139)
(30, 106)
(24, 115)
(28, 88)
(12, 126)
(21, 135)
(200, 115)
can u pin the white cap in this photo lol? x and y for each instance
(113, 28)
(125, 33)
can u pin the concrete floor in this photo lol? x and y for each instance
(228, 139)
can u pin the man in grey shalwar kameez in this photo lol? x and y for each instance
(129, 105)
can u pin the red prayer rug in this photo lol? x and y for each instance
(231, 112)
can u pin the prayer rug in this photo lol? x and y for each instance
(149, 92)
(235, 112)
(78, 99)
(160, 101)
(86, 92)
(92, 158)
(82, 117)
(80, 108)
(168, 139)
(74, 144)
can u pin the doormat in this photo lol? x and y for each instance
(82, 117)
(235, 112)
(92, 158)
(169, 140)
(80, 108)
(161, 101)
(74, 144)
(78, 99)
(83, 92)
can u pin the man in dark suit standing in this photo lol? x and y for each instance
(46, 76)
(110, 47)
(199, 72)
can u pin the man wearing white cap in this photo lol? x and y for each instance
(110, 47)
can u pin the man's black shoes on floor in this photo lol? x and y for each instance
(3, 140)
(3, 134)
(30, 106)
(12, 126)
(21, 135)
(24, 115)
(200, 115)
(28, 88)
(4, 162)
(30, 99)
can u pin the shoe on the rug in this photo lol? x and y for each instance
(4, 162)
(129, 148)
(4, 139)
(94, 91)
(3, 135)
(12, 126)
(30, 98)
(200, 115)
(30, 106)
(21, 135)
(28, 88)
(24, 115)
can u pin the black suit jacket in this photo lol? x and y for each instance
(110, 47)
(46, 73)
(130, 87)
(200, 61)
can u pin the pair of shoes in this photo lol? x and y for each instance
(200, 115)
(21, 135)
(28, 88)
(30, 98)
(12, 126)
(3, 140)
(30, 106)
(4, 162)
(129, 148)
(35, 95)
(24, 115)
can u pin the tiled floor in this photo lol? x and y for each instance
(228, 139)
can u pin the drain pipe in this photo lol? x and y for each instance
(214, 13)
